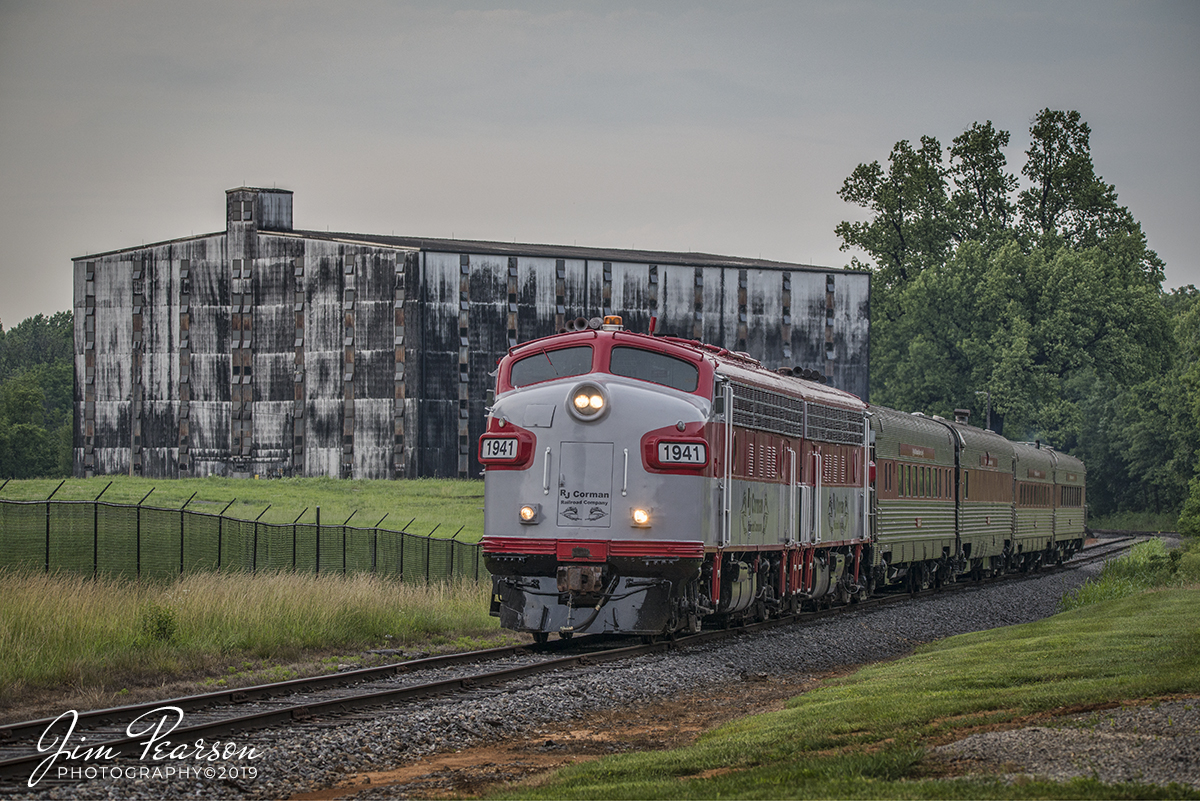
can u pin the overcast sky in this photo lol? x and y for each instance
(723, 127)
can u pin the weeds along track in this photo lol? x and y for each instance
(316, 700)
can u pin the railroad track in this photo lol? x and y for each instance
(125, 730)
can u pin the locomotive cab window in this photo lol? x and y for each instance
(657, 368)
(547, 365)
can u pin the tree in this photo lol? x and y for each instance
(1189, 517)
(982, 197)
(911, 229)
(37, 340)
(1048, 298)
(1067, 201)
(37, 397)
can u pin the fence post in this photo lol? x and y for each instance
(96, 531)
(375, 543)
(453, 549)
(318, 540)
(181, 513)
(220, 530)
(294, 522)
(254, 558)
(48, 497)
(352, 514)
(138, 545)
(404, 538)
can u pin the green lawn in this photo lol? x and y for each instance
(440, 506)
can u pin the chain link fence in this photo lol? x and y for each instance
(98, 537)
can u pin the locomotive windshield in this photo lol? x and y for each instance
(658, 368)
(549, 364)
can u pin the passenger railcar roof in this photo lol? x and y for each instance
(1064, 464)
(978, 442)
(895, 429)
(1033, 463)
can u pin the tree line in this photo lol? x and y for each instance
(1038, 294)
(37, 386)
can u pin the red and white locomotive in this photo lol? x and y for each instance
(644, 484)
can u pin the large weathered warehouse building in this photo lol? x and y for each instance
(262, 349)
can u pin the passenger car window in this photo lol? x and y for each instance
(550, 364)
(658, 368)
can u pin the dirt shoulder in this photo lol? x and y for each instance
(1002, 750)
(659, 726)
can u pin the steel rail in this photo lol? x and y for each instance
(303, 711)
(261, 692)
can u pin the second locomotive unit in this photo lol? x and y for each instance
(646, 485)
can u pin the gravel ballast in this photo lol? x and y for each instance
(1154, 744)
(320, 753)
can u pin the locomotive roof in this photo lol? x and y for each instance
(739, 367)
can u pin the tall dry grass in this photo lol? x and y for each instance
(81, 631)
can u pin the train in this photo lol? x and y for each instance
(652, 485)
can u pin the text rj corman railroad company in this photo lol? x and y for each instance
(156, 749)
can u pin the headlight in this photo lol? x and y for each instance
(588, 402)
(641, 518)
(529, 513)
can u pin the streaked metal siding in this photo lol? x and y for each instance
(435, 440)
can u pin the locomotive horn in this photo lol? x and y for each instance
(595, 323)
(581, 324)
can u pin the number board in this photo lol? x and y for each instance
(497, 448)
(682, 453)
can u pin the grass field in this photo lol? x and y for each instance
(1148, 566)
(420, 506)
(865, 736)
(81, 633)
